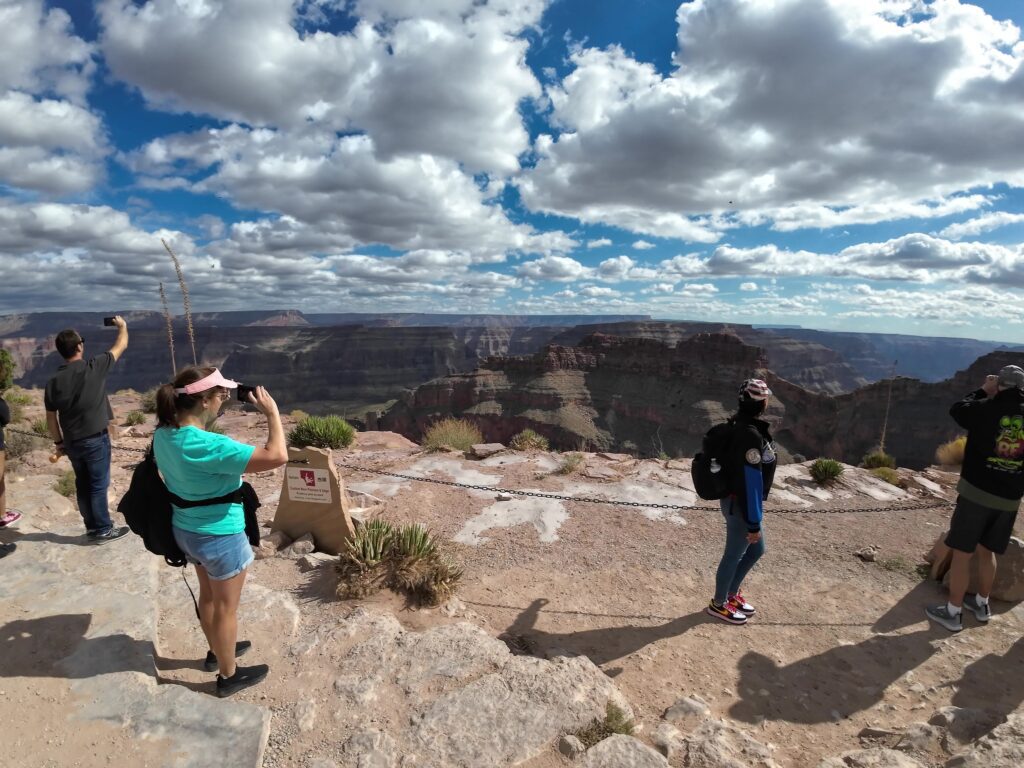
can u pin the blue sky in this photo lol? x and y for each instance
(851, 166)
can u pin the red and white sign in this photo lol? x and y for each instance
(309, 485)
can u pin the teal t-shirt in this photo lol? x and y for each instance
(197, 464)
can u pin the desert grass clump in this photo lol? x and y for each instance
(889, 475)
(17, 396)
(298, 415)
(951, 453)
(528, 440)
(405, 559)
(615, 721)
(17, 445)
(65, 484)
(322, 432)
(134, 418)
(41, 428)
(149, 401)
(826, 470)
(878, 458)
(458, 434)
(571, 463)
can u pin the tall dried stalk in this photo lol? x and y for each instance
(170, 328)
(185, 301)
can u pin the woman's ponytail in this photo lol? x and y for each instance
(169, 404)
(166, 407)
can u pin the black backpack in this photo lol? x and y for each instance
(711, 485)
(146, 507)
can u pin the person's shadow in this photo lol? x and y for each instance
(56, 646)
(599, 645)
(992, 683)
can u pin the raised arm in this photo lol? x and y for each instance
(275, 453)
(121, 342)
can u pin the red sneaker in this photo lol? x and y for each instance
(726, 613)
(737, 603)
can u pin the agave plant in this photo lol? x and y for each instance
(371, 543)
(413, 540)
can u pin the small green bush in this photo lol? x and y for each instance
(528, 440)
(824, 470)
(571, 462)
(889, 475)
(134, 418)
(149, 401)
(322, 432)
(41, 428)
(615, 721)
(452, 433)
(877, 459)
(6, 370)
(65, 484)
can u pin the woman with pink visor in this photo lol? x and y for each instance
(197, 465)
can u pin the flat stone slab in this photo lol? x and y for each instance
(94, 608)
(483, 450)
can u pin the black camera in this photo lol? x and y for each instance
(109, 320)
(243, 391)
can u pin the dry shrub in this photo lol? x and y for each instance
(951, 453)
(41, 428)
(134, 418)
(65, 484)
(149, 400)
(452, 433)
(571, 463)
(528, 440)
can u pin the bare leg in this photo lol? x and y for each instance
(3, 485)
(986, 570)
(224, 628)
(205, 604)
(959, 574)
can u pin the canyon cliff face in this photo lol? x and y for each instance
(647, 396)
(606, 393)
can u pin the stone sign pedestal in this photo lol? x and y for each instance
(313, 500)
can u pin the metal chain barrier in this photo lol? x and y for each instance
(591, 500)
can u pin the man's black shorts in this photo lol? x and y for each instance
(973, 524)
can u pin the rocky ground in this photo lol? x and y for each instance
(599, 602)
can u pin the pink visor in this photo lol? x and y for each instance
(215, 379)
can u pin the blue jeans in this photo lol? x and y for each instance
(739, 556)
(90, 458)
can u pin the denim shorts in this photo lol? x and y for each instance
(222, 556)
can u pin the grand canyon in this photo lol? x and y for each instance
(629, 384)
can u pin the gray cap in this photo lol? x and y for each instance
(1011, 376)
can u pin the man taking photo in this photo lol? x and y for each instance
(78, 414)
(990, 489)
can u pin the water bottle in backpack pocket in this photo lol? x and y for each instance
(708, 469)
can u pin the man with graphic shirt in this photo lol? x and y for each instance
(990, 489)
(750, 466)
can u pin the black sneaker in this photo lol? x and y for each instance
(243, 678)
(6, 549)
(113, 534)
(981, 612)
(241, 648)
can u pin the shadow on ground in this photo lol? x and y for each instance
(843, 680)
(599, 645)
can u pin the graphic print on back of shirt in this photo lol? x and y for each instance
(1009, 449)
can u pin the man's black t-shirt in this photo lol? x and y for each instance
(78, 394)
